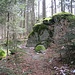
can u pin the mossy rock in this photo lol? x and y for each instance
(62, 22)
(49, 28)
(58, 17)
(48, 21)
(40, 33)
(39, 27)
(40, 48)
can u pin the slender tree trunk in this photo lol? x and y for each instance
(62, 6)
(55, 5)
(26, 19)
(52, 7)
(2, 32)
(8, 34)
(33, 14)
(74, 10)
(44, 8)
(5, 32)
(71, 6)
(38, 10)
(24, 22)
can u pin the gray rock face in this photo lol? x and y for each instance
(33, 39)
(45, 35)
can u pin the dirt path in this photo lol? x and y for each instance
(39, 63)
(28, 62)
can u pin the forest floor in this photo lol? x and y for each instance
(27, 62)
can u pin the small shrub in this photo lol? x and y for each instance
(39, 48)
(2, 53)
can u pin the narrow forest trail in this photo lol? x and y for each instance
(39, 63)
(28, 62)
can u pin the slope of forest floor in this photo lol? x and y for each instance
(27, 62)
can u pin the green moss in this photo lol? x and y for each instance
(62, 15)
(47, 19)
(38, 48)
(32, 33)
(59, 16)
(3, 54)
(37, 24)
(38, 27)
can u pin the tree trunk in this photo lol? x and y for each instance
(38, 10)
(26, 19)
(33, 14)
(44, 9)
(55, 5)
(71, 6)
(8, 34)
(52, 7)
(62, 6)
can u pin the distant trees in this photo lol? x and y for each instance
(62, 5)
(67, 5)
(22, 13)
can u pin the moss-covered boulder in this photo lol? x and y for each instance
(41, 34)
(64, 26)
(54, 29)
(58, 17)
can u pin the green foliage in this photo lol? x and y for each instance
(39, 48)
(3, 53)
(39, 27)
